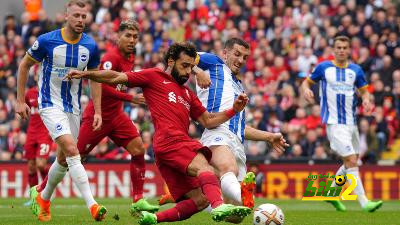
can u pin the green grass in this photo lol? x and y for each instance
(73, 211)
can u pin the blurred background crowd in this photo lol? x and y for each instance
(287, 39)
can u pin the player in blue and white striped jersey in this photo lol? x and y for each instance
(339, 82)
(226, 140)
(59, 102)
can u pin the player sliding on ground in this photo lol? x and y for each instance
(339, 79)
(59, 103)
(182, 161)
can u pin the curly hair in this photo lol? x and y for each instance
(128, 24)
(177, 48)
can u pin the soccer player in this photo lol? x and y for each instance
(38, 140)
(339, 79)
(59, 103)
(226, 140)
(116, 124)
(182, 161)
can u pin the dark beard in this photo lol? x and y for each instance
(175, 74)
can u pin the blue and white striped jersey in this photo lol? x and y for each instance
(338, 91)
(222, 93)
(58, 55)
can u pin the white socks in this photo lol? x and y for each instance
(230, 187)
(55, 176)
(359, 189)
(80, 178)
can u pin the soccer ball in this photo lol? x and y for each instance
(340, 180)
(268, 214)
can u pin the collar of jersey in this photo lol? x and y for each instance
(72, 42)
(341, 67)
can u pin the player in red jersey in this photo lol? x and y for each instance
(116, 124)
(182, 161)
(38, 140)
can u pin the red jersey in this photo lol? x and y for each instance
(112, 95)
(35, 125)
(170, 105)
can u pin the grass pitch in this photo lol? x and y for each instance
(74, 211)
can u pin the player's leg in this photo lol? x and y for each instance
(44, 144)
(32, 173)
(194, 202)
(200, 168)
(224, 162)
(351, 165)
(30, 155)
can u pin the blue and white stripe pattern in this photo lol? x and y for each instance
(222, 93)
(338, 91)
(58, 56)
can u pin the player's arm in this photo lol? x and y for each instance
(212, 120)
(21, 107)
(202, 78)
(121, 96)
(315, 77)
(101, 76)
(276, 140)
(95, 91)
(362, 87)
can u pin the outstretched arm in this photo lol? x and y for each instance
(212, 120)
(275, 139)
(101, 76)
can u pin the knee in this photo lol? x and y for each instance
(351, 162)
(31, 166)
(137, 150)
(201, 202)
(41, 167)
(226, 168)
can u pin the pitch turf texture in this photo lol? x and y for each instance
(74, 211)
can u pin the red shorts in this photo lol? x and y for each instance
(121, 130)
(38, 146)
(173, 164)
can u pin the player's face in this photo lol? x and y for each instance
(236, 57)
(75, 18)
(182, 68)
(127, 40)
(341, 50)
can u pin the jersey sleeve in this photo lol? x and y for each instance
(38, 50)
(206, 60)
(94, 59)
(140, 78)
(108, 62)
(360, 79)
(316, 74)
(196, 108)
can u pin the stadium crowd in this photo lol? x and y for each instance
(287, 38)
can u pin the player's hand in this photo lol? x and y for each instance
(309, 95)
(74, 74)
(138, 99)
(203, 79)
(97, 122)
(22, 109)
(240, 102)
(278, 143)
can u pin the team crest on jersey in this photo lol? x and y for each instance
(83, 57)
(59, 127)
(107, 65)
(35, 45)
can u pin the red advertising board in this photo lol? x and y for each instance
(287, 181)
(106, 180)
(282, 181)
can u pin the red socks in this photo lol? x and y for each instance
(210, 188)
(42, 185)
(182, 211)
(138, 170)
(32, 179)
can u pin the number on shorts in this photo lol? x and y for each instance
(44, 149)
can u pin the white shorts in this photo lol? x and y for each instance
(222, 136)
(59, 122)
(344, 139)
